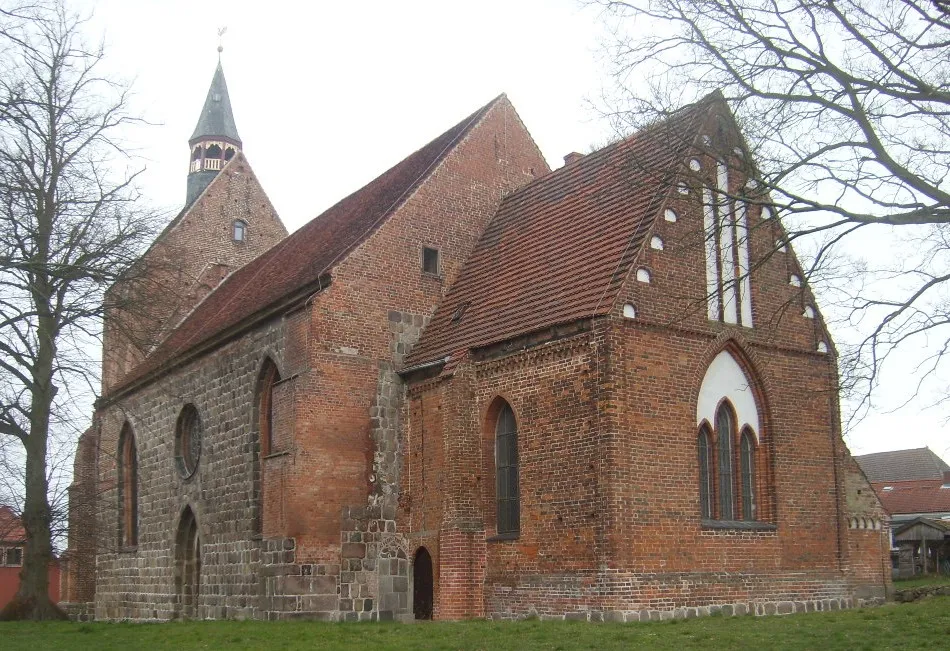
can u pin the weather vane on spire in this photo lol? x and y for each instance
(221, 32)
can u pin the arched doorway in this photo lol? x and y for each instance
(422, 585)
(188, 565)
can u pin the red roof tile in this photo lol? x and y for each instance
(559, 249)
(298, 261)
(919, 496)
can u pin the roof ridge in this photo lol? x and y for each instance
(470, 122)
(607, 149)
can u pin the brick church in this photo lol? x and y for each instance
(475, 387)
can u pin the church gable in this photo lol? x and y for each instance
(404, 267)
(229, 224)
(715, 255)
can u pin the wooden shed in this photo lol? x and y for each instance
(924, 545)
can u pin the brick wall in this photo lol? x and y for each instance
(609, 483)
(79, 562)
(868, 532)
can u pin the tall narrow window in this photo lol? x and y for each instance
(705, 473)
(747, 466)
(269, 377)
(724, 429)
(430, 260)
(506, 472)
(128, 488)
(726, 228)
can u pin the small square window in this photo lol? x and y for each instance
(240, 230)
(430, 260)
(15, 556)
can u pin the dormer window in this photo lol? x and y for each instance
(239, 231)
(430, 261)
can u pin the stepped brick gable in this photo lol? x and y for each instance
(479, 388)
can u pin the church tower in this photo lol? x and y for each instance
(215, 140)
(227, 221)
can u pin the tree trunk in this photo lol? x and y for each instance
(32, 599)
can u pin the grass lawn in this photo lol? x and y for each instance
(921, 625)
(930, 579)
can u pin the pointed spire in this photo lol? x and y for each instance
(215, 140)
(217, 118)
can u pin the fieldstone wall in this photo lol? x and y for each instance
(142, 582)
(374, 579)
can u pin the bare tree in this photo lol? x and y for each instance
(845, 105)
(69, 226)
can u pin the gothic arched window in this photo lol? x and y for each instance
(704, 451)
(265, 406)
(128, 489)
(729, 449)
(506, 472)
(724, 435)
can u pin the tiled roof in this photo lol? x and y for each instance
(902, 465)
(298, 261)
(559, 249)
(919, 496)
(11, 529)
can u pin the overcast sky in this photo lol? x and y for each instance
(327, 96)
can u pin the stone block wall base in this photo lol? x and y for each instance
(723, 610)
(79, 611)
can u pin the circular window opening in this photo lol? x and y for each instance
(188, 441)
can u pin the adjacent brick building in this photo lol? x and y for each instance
(479, 388)
(12, 546)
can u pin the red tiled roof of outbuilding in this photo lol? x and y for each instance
(299, 260)
(559, 249)
(918, 496)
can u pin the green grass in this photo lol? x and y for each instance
(921, 625)
(917, 582)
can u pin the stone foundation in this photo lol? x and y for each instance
(79, 611)
(722, 610)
